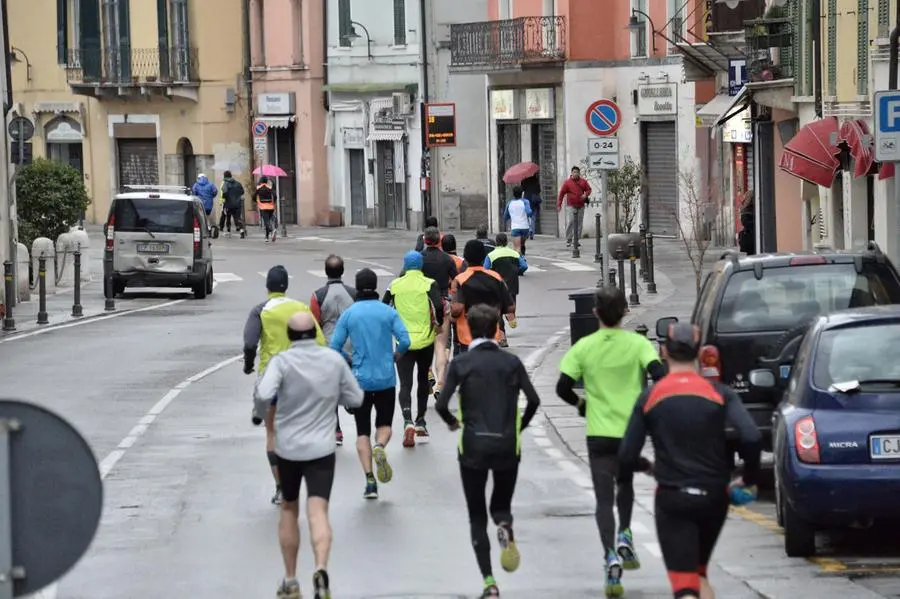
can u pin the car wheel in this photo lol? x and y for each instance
(778, 499)
(200, 290)
(210, 278)
(799, 535)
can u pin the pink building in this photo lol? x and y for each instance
(287, 72)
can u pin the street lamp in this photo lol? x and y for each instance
(351, 36)
(14, 58)
(635, 24)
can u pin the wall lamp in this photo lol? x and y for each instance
(351, 36)
(15, 59)
(635, 24)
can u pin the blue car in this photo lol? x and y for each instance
(836, 432)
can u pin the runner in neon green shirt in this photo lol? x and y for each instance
(613, 363)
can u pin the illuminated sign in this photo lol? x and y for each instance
(440, 125)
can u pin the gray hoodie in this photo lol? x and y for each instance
(309, 381)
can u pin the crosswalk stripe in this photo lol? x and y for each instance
(532, 268)
(654, 549)
(378, 271)
(226, 277)
(265, 274)
(574, 266)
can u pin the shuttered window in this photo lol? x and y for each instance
(795, 15)
(179, 55)
(399, 22)
(832, 48)
(344, 25)
(62, 31)
(162, 29)
(884, 18)
(89, 38)
(862, 48)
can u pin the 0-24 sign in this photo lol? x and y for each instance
(603, 145)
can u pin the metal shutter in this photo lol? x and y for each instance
(661, 146)
(750, 166)
(138, 162)
(509, 153)
(549, 220)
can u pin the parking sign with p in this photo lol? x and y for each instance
(887, 126)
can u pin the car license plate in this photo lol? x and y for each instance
(885, 447)
(153, 248)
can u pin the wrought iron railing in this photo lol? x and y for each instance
(770, 54)
(510, 42)
(133, 66)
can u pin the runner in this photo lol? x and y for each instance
(506, 262)
(310, 382)
(265, 199)
(478, 286)
(441, 268)
(448, 244)
(232, 206)
(518, 214)
(372, 327)
(266, 330)
(481, 234)
(490, 381)
(430, 221)
(693, 477)
(327, 304)
(417, 300)
(613, 363)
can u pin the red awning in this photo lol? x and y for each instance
(809, 170)
(856, 134)
(818, 142)
(886, 170)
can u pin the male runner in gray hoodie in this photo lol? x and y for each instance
(309, 381)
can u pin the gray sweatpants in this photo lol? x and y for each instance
(574, 224)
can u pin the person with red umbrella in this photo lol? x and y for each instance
(575, 191)
(264, 197)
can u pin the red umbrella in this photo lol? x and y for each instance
(520, 172)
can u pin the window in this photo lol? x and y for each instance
(862, 353)
(62, 32)
(399, 22)
(344, 25)
(785, 296)
(678, 10)
(155, 215)
(506, 9)
(862, 48)
(297, 51)
(639, 36)
(181, 64)
(884, 18)
(832, 48)
(113, 60)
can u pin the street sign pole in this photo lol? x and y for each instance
(21, 143)
(604, 229)
(7, 427)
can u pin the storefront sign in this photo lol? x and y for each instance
(539, 103)
(275, 104)
(737, 75)
(440, 125)
(657, 99)
(384, 120)
(353, 137)
(737, 129)
(503, 104)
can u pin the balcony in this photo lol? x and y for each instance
(512, 44)
(109, 73)
(770, 49)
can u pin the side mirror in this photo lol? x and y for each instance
(663, 324)
(764, 379)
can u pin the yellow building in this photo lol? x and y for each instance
(133, 92)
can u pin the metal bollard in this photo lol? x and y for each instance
(598, 251)
(643, 233)
(110, 303)
(642, 330)
(633, 298)
(9, 323)
(620, 261)
(612, 277)
(42, 291)
(77, 309)
(651, 283)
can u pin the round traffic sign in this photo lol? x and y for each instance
(21, 126)
(260, 128)
(603, 117)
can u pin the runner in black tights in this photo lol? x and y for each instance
(686, 416)
(489, 381)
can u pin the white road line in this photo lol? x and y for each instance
(570, 467)
(654, 549)
(543, 442)
(583, 481)
(533, 268)
(574, 266)
(265, 274)
(640, 528)
(226, 277)
(369, 262)
(537, 430)
(555, 453)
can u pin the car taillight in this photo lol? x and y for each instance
(196, 236)
(806, 442)
(110, 231)
(709, 362)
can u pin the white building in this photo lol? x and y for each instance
(377, 82)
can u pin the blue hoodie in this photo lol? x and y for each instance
(372, 327)
(207, 191)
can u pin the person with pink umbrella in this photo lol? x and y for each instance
(264, 197)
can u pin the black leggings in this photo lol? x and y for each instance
(229, 215)
(474, 481)
(420, 360)
(688, 527)
(610, 488)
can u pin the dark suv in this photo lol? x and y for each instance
(752, 309)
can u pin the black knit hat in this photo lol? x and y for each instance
(474, 252)
(277, 279)
(366, 280)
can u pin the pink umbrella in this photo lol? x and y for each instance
(269, 170)
(520, 172)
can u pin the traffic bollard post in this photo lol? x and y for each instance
(651, 282)
(42, 291)
(601, 282)
(633, 298)
(643, 233)
(642, 330)
(612, 277)
(77, 309)
(9, 289)
(110, 304)
(598, 251)
(620, 261)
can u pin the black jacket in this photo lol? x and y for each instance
(489, 381)
(439, 266)
(264, 194)
(488, 244)
(233, 192)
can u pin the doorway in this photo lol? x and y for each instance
(391, 193)
(188, 161)
(357, 160)
(509, 153)
(543, 151)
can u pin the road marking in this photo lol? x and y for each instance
(370, 263)
(265, 275)
(543, 442)
(533, 268)
(640, 528)
(226, 277)
(327, 239)
(654, 549)
(574, 266)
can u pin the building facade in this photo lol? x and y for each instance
(114, 89)
(287, 73)
(546, 62)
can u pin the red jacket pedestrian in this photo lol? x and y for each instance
(575, 191)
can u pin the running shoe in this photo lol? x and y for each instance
(383, 469)
(409, 436)
(614, 575)
(289, 589)
(509, 553)
(627, 552)
(339, 438)
(277, 498)
(422, 430)
(371, 491)
(320, 583)
(490, 590)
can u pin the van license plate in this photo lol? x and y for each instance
(885, 447)
(153, 248)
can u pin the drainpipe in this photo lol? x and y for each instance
(325, 103)
(248, 82)
(816, 34)
(423, 37)
(895, 44)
